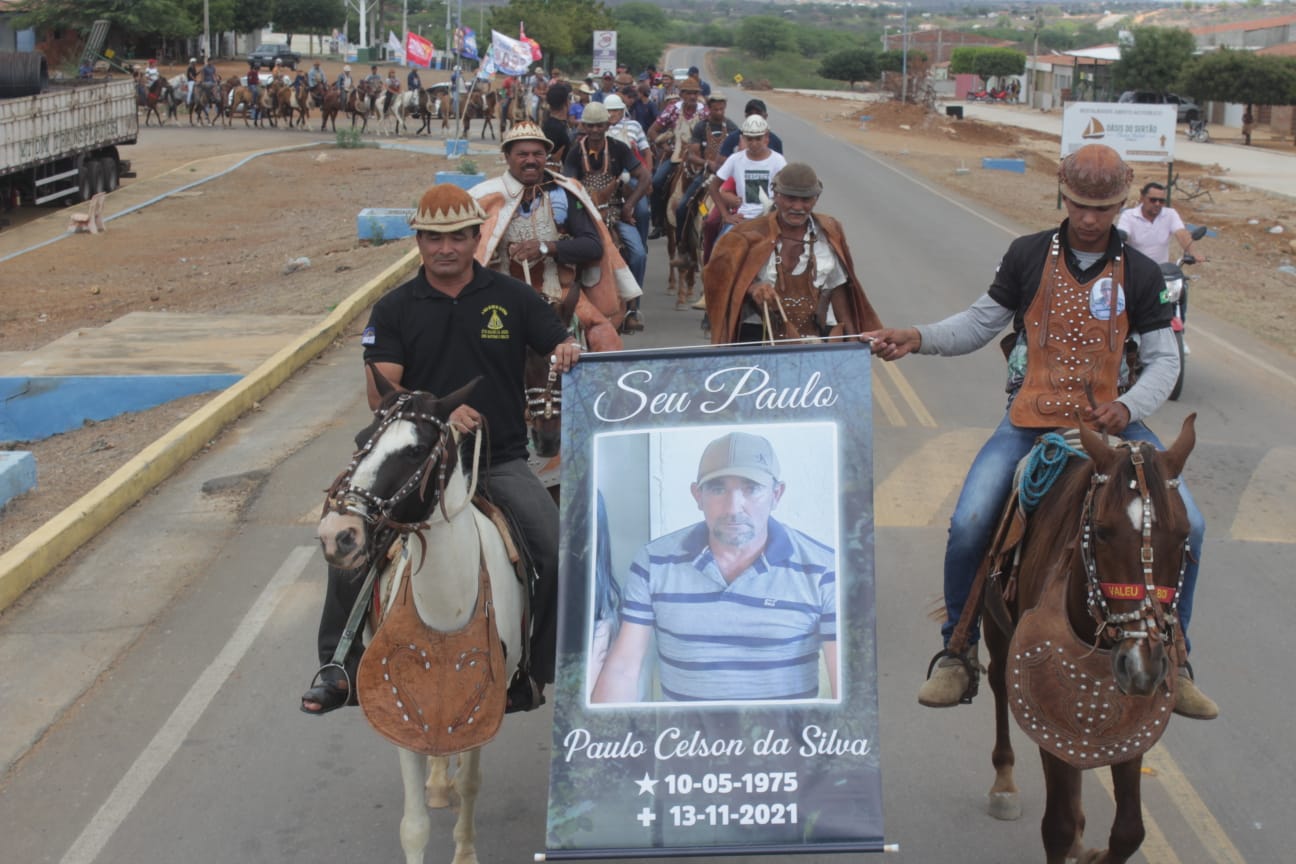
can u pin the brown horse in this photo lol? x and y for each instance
(205, 98)
(685, 258)
(1088, 637)
(434, 103)
(361, 102)
(482, 102)
(239, 101)
(330, 102)
(148, 97)
(515, 109)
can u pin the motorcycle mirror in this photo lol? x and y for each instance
(1199, 232)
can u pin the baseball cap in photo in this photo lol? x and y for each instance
(739, 454)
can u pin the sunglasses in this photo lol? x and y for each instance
(1156, 200)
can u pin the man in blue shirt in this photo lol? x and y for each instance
(741, 606)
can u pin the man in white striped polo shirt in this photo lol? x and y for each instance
(741, 605)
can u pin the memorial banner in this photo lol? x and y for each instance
(716, 687)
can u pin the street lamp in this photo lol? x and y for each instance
(904, 58)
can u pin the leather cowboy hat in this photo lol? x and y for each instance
(1095, 176)
(445, 208)
(525, 132)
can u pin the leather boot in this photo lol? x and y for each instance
(1190, 701)
(948, 682)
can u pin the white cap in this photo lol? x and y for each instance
(755, 125)
(614, 103)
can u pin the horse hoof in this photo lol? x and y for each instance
(1005, 806)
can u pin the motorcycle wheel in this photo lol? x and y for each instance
(1178, 388)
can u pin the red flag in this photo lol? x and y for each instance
(536, 53)
(418, 51)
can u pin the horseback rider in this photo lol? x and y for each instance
(543, 228)
(430, 335)
(315, 76)
(412, 81)
(191, 80)
(254, 85)
(704, 153)
(344, 82)
(789, 262)
(1083, 276)
(555, 125)
(599, 162)
(678, 120)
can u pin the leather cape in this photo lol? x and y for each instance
(604, 286)
(738, 258)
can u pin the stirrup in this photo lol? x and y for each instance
(972, 668)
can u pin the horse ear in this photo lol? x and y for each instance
(1102, 455)
(1177, 455)
(385, 388)
(447, 404)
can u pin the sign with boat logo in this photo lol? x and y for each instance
(1139, 133)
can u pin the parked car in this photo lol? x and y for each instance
(1186, 109)
(268, 52)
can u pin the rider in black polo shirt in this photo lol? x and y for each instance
(453, 322)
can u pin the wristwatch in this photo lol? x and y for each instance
(544, 248)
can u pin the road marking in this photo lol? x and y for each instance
(1215, 843)
(1155, 847)
(1264, 510)
(149, 764)
(910, 395)
(914, 493)
(883, 400)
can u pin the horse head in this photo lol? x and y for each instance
(396, 477)
(1133, 549)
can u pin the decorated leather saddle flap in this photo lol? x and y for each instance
(433, 692)
(1064, 697)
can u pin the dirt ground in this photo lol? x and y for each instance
(224, 247)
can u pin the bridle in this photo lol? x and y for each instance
(346, 498)
(1153, 622)
(545, 402)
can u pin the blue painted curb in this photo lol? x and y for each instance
(38, 407)
(1017, 166)
(17, 474)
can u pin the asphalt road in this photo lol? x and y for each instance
(190, 747)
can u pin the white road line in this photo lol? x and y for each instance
(131, 788)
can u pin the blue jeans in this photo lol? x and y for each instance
(659, 174)
(636, 252)
(981, 503)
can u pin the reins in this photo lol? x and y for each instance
(1157, 623)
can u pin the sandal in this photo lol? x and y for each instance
(330, 694)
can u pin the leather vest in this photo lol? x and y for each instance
(1075, 337)
(548, 277)
(798, 295)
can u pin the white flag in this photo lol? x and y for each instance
(511, 56)
(395, 50)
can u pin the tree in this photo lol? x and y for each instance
(1240, 76)
(1155, 59)
(763, 36)
(851, 65)
(307, 16)
(987, 63)
(251, 15)
(644, 15)
(893, 61)
(132, 19)
(637, 47)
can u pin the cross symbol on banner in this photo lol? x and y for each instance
(646, 817)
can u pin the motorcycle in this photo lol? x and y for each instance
(1197, 132)
(1176, 293)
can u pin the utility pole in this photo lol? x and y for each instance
(206, 46)
(1030, 61)
(904, 58)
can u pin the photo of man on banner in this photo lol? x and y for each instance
(740, 606)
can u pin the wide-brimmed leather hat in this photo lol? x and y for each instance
(1095, 176)
(525, 132)
(690, 84)
(798, 180)
(445, 208)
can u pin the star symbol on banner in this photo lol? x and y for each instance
(647, 786)
(646, 817)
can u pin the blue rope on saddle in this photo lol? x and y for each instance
(1044, 465)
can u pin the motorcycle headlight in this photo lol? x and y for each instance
(1174, 287)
